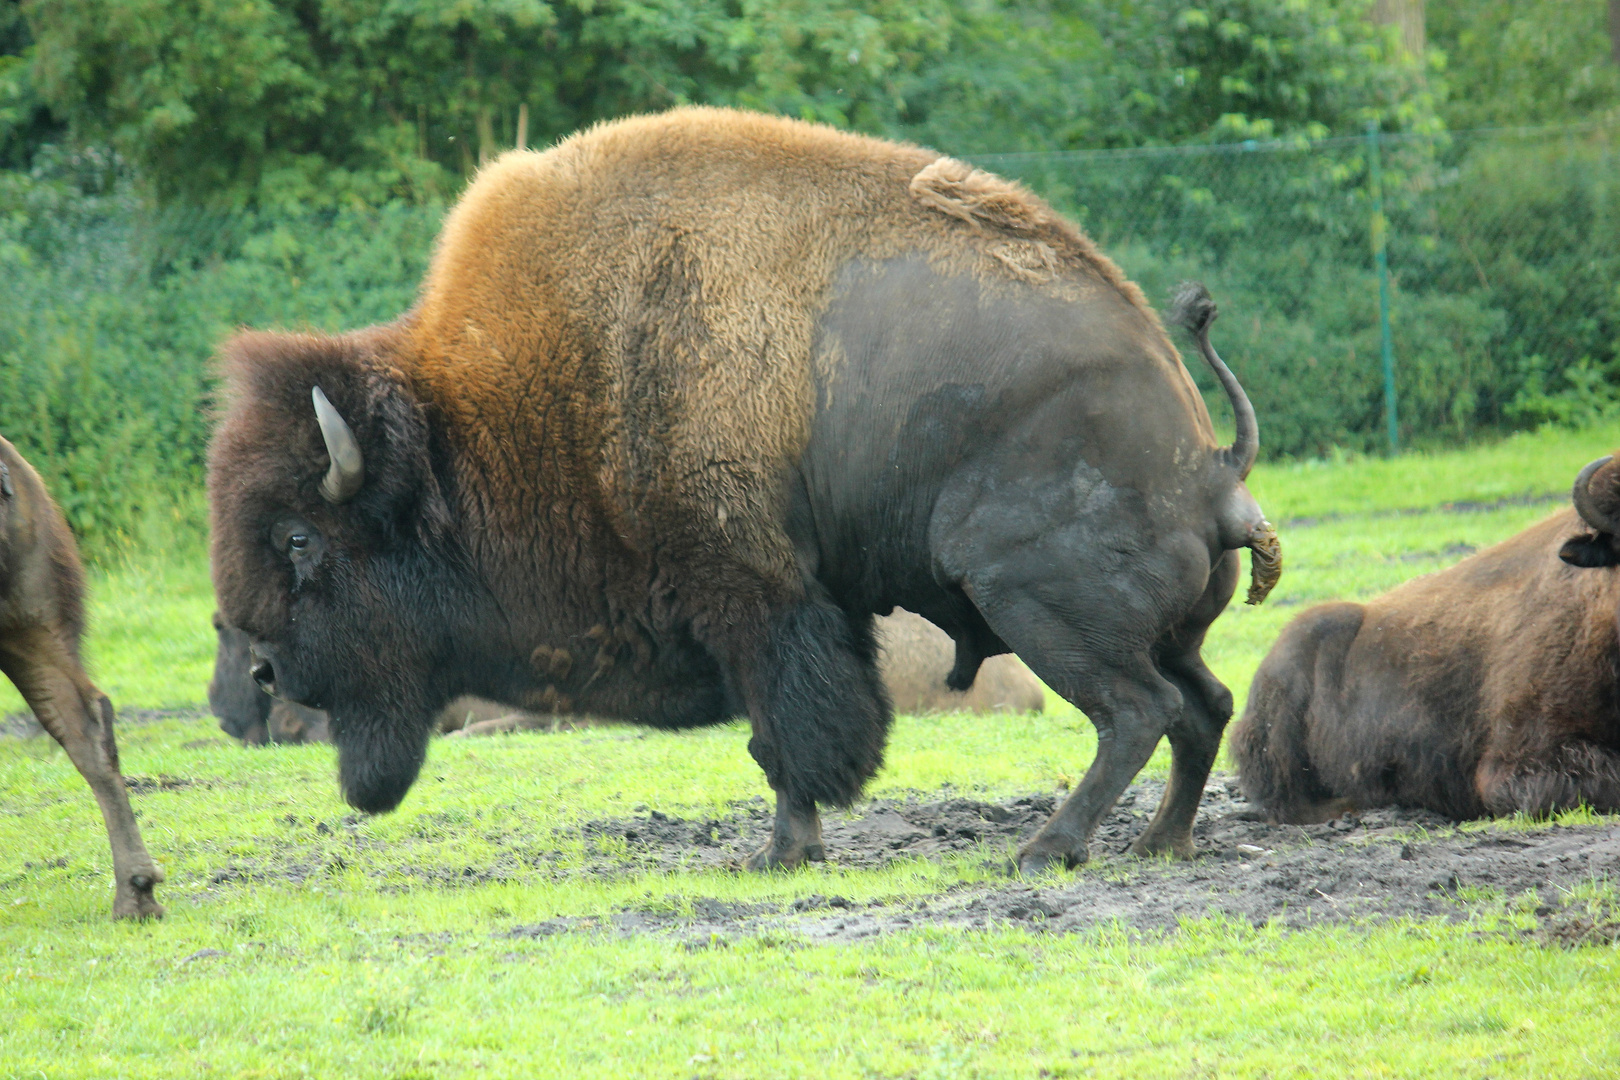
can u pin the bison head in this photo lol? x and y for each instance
(332, 546)
(1597, 501)
(242, 708)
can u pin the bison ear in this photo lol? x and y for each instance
(1589, 551)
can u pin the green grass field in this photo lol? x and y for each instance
(303, 941)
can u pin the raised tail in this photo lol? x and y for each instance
(1242, 523)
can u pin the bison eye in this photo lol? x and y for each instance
(298, 541)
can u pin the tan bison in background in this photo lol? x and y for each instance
(915, 658)
(41, 622)
(1489, 688)
(685, 401)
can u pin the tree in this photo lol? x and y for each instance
(1513, 62)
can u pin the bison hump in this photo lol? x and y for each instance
(979, 198)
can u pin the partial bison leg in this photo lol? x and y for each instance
(1132, 706)
(80, 717)
(1555, 778)
(1195, 736)
(820, 716)
(1093, 661)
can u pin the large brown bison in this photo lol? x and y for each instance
(683, 402)
(41, 621)
(1485, 689)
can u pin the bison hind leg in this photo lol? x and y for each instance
(821, 718)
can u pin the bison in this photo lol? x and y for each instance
(242, 707)
(1489, 688)
(685, 400)
(41, 621)
(246, 712)
(914, 659)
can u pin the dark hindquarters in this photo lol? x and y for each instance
(1297, 686)
(1195, 735)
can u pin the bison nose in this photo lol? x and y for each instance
(263, 674)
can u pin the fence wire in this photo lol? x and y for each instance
(1503, 249)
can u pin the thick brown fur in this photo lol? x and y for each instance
(41, 622)
(614, 462)
(1489, 688)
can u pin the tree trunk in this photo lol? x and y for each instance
(1408, 15)
(486, 135)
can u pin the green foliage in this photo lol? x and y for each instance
(331, 104)
(1512, 62)
(284, 104)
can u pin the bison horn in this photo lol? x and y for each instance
(1586, 506)
(348, 470)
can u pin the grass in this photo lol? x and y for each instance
(305, 941)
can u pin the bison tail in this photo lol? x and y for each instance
(1194, 309)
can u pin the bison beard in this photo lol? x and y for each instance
(379, 756)
(685, 401)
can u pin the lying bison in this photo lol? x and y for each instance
(1488, 688)
(246, 712)
(41, 621)
(914, 660)
(242, 707)
(683, 402)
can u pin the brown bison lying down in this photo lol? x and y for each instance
(41, 620)
(684, 401)
(1486, 689)
(245, 711)
(915, 658)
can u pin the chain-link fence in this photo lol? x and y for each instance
(1504, 299)
(1503, 249)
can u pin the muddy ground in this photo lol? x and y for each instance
(1382, 864)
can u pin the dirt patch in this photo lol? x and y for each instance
(1379, 865)
(23, 725)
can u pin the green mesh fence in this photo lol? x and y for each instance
(1503, 252)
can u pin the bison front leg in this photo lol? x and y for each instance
(820, 717)
(80, 718)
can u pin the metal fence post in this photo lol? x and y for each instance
(1380, 228)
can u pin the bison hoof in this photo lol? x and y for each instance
(1032, 863)
(1146, 847)
(770, 857)
(135, 901)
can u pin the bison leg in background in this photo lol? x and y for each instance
(80, 717)
(1195, 736)
(1551, 779)
(820, 717)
